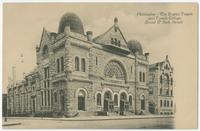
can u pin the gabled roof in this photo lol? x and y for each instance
(100, 36)
(160, 64)
(44, 33)
(156, 64)
(105, 38)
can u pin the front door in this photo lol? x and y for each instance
(143, 104)
(33, 105)
(105, 105)
(81, 103)
(62, 103)
(121, 107)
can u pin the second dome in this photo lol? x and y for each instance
(72, 20)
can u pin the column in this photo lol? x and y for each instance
(50, 97)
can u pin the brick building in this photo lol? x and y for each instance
(77, 74)
(161, 88)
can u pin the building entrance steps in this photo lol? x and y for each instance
(85, 113)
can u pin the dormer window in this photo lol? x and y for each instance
(115, 41)
(119, 43)
(45, 50)
(112, 41)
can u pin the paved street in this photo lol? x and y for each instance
(156, 123)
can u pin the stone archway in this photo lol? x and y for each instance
(123, 101)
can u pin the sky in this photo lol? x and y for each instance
(23, 25)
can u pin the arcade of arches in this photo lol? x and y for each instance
(109, 101)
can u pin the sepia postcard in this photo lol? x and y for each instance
(100, 65)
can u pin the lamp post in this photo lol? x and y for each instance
(135, 55)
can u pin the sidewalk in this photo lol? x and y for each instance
(97, 118)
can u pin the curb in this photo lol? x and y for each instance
(11, 124)
(93, 118)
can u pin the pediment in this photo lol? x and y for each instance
(113, 38)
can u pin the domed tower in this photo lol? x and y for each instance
(135, 46)
(73, 21)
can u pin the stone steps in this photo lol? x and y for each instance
(85, 113)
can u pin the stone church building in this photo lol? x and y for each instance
(77, 74)
(161, 88)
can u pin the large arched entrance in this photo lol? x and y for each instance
(81, 100)
(123, 103)
(107, 101)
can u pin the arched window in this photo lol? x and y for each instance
(171, 92)
(45, 50)
(171, 103)
(130, 100)
(167, 103)
(143, 77)
(171, 81)
(164, 103)
(167, 79)
(140, 76)
(83, 65)
(114, 70)
(123, 96)
(76, 63)
(62, 63)
(58, 65)
(115, 41)
(112, 41)
(161, 79)
(42, 95)
(98, 99)
(55, 97)
(115, 100)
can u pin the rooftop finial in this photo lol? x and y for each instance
(115, 20)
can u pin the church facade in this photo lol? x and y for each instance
(77, 74)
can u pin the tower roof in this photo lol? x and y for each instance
(73, 21)
(134, 46)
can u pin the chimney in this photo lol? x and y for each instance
(167, 57)
(14, 74)
(67, 30)
(37, 48)
(89, 35)
(147, 55)
(116, 21)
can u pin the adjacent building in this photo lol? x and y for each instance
(161, 88)
(4, 105)
(77, 74)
